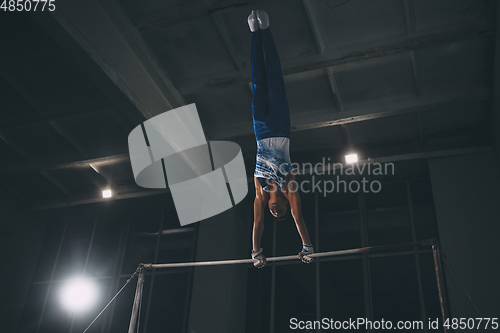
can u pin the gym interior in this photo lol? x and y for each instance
(411, 87)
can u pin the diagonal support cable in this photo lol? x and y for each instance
(111, 301)
(456, 289)
(461, 284)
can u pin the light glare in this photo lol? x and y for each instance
(106, 194)
(352, 158)
(78, 295)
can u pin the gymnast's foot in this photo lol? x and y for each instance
(252, 22)
(263, 19)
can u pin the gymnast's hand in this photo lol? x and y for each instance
(259, 255)
(304, 254)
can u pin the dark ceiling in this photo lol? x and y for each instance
(400, 79)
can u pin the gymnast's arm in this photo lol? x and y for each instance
(261, 198)
(259, 204)
(296, 210)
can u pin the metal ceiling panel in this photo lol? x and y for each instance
(377, 79)
(443, 15)
(346, 23)
(39, 142)
(384, 132)
(224, 109)
(94, 132)
(456, 65)
(191, 49)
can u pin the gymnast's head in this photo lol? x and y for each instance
(278, 206)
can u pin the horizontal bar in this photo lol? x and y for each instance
(285, 258)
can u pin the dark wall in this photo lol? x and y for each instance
(218, 302)
(495, 112)
(21, 237)
(467, 197)
(23, 241)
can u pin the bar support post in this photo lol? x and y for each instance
(439, 278)
(137, 301)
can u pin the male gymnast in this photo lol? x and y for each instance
(273, 176)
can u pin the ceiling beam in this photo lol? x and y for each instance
(335, 89)
(379, 109)
(170, 16)
(120, 52)
(421, 134)
(424, 154)
(133, 193)
(340, 106)
(354, 55)
(349, 115)
(99, 37)
(416, 70)
(92, 200)
(225, 34)
(68, 137)
(410, 28)
(56, 183)
(13, 193)
(62, 132)
(24, 154)
(84, 77)
(77, 55)
(82, 161)
(409, 16)
(398, 107)
(20, 89)
(347, 137)
(313, 24)
(55, 112)
(102, 173)
(120, 120)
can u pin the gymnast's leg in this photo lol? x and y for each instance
(276, 93)
(260, 107)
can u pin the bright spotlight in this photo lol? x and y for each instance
(78, 295)
(353, 158)
(106, 194)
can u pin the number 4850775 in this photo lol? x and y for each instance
(28, 5)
